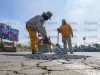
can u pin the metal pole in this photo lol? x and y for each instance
(58, 38)
(84, 44)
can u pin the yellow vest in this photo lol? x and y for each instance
(66, 30)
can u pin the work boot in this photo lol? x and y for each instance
(35, 52)
(61, 53)
(65, 52)
(71, 52)
(58, 52)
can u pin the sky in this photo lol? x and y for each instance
(82, 15)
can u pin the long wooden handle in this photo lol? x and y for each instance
(58, 38)
(56, 47)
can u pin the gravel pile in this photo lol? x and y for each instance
(54, 56)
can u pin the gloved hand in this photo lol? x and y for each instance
(46, 40)
(58, 30)
(38, 31)
(72, 35)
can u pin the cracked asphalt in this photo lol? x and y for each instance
(12, 64)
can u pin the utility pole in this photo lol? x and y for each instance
(84, 41)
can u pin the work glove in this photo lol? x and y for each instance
(46, 40)
(72, 35)
(38, 31)
(58, 30)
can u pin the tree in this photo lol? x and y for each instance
(1, 44)
(89, 46)
(19, 46)
(75, 48)
(96, 45)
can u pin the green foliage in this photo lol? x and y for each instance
(1, 44)
(76, 47)
(96, 45)
(13, 45)
(19, 45)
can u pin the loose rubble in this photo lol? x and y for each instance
(54, 56)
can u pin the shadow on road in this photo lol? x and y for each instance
(14, 54)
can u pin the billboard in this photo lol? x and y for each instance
(8, 33)
(4, 28)
(4, 31)
(14, 34)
